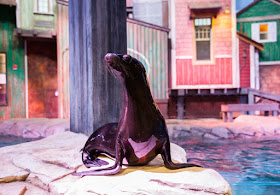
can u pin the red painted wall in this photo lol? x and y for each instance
(189, 74)
(244, 63)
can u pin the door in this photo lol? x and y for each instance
(42, 79)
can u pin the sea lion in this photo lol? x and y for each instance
(141, 133)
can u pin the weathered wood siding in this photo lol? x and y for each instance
(63, 60)
(218, 74)
(149, 44)
(28, 16)
(96, 28)
(13, 47)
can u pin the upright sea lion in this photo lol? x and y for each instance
(141, 133)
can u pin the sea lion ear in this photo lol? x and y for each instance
(127, 58)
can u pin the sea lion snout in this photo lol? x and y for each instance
(108, 57)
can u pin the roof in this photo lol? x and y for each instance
(247, 39)
(254, 3)
(205, 5)
(204, 8)
(131, 20)
(63, 2)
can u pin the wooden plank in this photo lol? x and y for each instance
(63, 59)
(95, 28)
(249, 107)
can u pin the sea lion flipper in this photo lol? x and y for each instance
(106, 171)
(109, 170)
(166, 156)
(95, 163)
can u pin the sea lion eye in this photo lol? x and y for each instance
(127, 58)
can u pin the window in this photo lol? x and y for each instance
(43, 6)
(264, 32)
(203, 38)
(3, 80)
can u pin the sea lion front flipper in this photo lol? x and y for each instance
(166, 156)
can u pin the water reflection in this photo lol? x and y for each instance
(250, 166)
(7, 140)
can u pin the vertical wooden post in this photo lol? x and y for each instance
(181, 104)
(96, 27)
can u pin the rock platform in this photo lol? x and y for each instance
(45, 167)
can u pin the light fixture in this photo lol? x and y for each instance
(227, 10)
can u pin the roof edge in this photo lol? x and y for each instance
(247, 39)
(247, 7)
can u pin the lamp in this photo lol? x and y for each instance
(227, 10)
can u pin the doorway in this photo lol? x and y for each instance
(42, 79)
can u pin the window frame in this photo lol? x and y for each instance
(6, 79)
(211, 60)
(50, 7)
(271, 31)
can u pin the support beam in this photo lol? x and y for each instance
(96, 27)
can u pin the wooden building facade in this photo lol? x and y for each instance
(35, 50)
(205, 69)
(212, 63)
(38, 76)
(203, 41)
(264, 27)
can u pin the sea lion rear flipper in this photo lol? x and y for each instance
(166, 156)
(95, 163)
(109, 170)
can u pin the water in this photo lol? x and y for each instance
(7, 140)
(250, 166)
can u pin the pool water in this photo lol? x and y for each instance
(250, 166)
(7, 140)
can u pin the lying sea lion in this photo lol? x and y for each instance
(141, 133)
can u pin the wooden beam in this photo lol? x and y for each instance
(262, 94)
(96, 28)
(248, 107)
